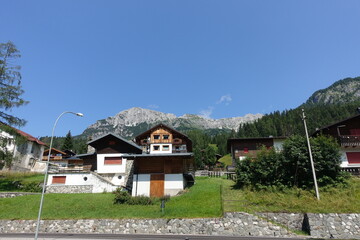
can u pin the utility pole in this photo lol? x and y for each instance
(311, 158)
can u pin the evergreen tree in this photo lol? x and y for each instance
(68, 142)
(10, 97)
(10, 84)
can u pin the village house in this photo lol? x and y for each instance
(161, 165)
(240, 148)
(347, 133)
(26, 152)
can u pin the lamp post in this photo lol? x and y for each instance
(46, 171)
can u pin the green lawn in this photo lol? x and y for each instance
(201, 200)
(334, 200)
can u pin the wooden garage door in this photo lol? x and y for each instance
(157, 185)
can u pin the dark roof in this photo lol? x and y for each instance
(336, 123)
(116, 136)
(164, 126)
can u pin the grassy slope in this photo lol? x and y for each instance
(201, 200)
(7, 180)
(335, 200)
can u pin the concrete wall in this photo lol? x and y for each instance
(161, 150)
(173, 184)
(74, 180)
(141, 185)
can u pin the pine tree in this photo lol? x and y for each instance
(10, 84)
(10, 97)
(68, 142)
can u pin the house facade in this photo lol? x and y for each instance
(161, 165)
(166, 166)
(240, 148)
(347, 133)
(26, 152)
(106, 169)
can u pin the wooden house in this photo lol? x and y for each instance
(347, 133)
(162, 165)
(240, 148)
(166, 166)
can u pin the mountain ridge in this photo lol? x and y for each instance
(130, 122)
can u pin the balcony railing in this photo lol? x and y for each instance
(349, 141)
(53, 168)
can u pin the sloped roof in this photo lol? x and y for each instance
(24, 134)
(159, 126)
(91, 143)
(336, 123)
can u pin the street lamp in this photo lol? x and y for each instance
(46, 171)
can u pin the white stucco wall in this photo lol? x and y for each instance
(141, 185)
(174, 183)
(161, 148)
(98, 184)
(110, 168)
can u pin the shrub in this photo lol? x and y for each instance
(123, 197)
(30, 187)
(291, 167)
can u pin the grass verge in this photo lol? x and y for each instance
(333, 200)
(201, 200)
(20, 181)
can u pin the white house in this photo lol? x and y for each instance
(26, 151)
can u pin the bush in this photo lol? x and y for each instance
(123, 197)
(30, 187)
(291, 167)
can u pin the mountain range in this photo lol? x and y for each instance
(131, 122)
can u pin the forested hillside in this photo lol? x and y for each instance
(289, 122)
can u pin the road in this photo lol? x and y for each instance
(130, 237)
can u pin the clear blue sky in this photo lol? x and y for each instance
(217, 58)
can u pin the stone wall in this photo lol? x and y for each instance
(339, 226)
(14, 194)
(233, 224)
(69, 189)
(293, 221)
(334, 225)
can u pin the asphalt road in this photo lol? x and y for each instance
(130, 237)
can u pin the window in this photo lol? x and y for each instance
(166, 147)
(113, 160)
(156, 148)
(58, 179)
(156, 137)
(165, 137)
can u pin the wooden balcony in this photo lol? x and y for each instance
(349, 141)
(69, 169)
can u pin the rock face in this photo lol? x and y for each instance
(133, 121)
(346, 90)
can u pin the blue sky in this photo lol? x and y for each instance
(216, 58)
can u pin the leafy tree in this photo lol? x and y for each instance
(210, 154)
(291, 167)
(68, 142)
